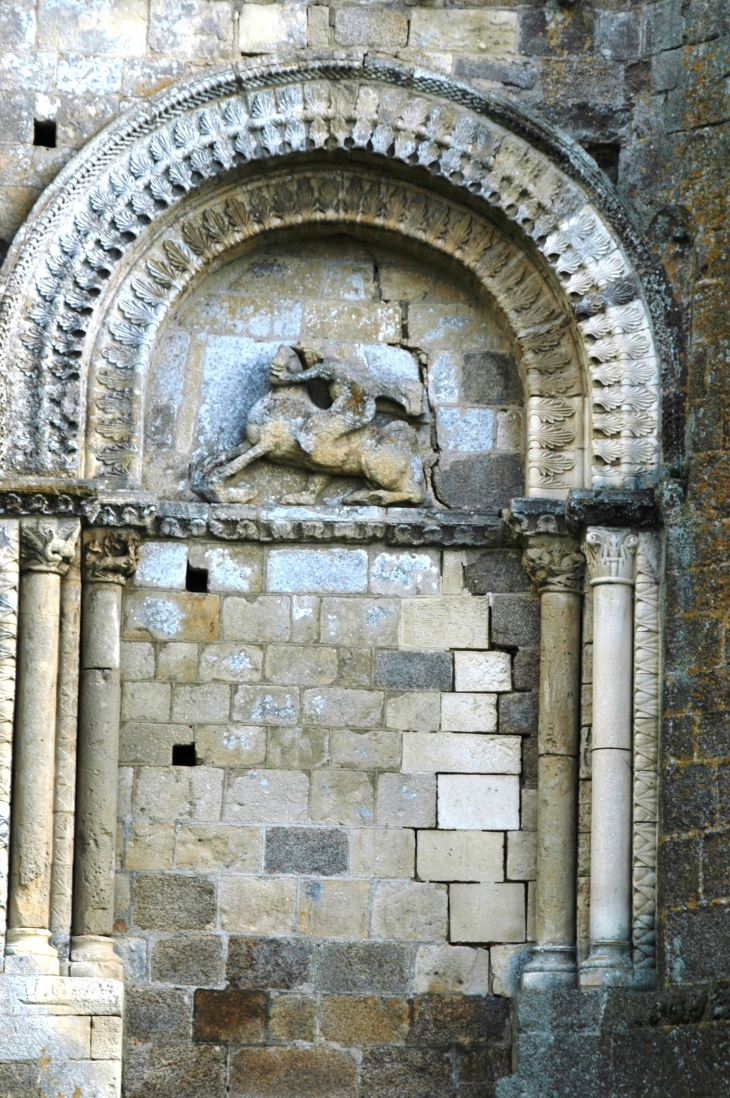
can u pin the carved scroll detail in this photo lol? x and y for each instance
(8, 641)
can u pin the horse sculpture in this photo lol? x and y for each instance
(288, 428)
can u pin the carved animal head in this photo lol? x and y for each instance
(285, 366)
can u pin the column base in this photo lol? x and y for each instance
(93, 955)
(609, 965)
(550, 966)
(28, 952)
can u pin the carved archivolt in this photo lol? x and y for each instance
(77, 244)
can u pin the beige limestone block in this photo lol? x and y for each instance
(149, 846)
(383, 852)
(177, 662)
(366, 750)
(180, 792)
(364, 322)
(198, 704)
(470, 30)
(334, 909)
(125, 782)
(469, 712)
(452, 580)
(265, 28)
(318, 26)
(146, 701)
(483, 671)
(417, 712)
(410, 911)
(431, 325)
(476, 802)
(487, 912)
(257, 905)
(231, 568)
(521, 855)
(231, 663)
(405, 573)
(360, 621)
(451, 970)
(297, 748)
(509, 429)
(529, 810)
(151, 744)
(305, 610)
(161, 564)
(406, 800)
(268, 796)
(338, 707)
(461, 855)
(531, 929)
(324, 571)
(266, 618)
(181, 616)
(269, 705)
(342, 797)
(371, 27)
(300, 665)
(507, 964)
(106, 1038)
(445, 622)
(461, 752)
(236, 745)
(556, 848)
(207, 847)
(137, 660)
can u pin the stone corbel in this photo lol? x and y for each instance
(109, 557)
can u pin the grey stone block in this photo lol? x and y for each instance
(157, 1014)
(498, 72)
(306, 850)
(282, 963)
(526, 669)
(363, 968)
(406, 1073)
(487, 377)
(185, 1071)
(485, 482)
(414, 670)
(515, 621)
(529, 761)
(163, 902)
(193, 961)
(16, 111)
(518, 714)
(495, 570)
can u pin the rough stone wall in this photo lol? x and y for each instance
(327, 812)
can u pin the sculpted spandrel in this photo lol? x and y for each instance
(288, 428)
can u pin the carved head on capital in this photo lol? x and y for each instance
(110, 555)
(47, 546)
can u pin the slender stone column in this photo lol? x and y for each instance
(46, 549)
(611, 562)
(556, 564)
(108, 558)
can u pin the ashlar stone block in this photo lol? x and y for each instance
(320, 851)
(445, 622)
(265, 28)
(337, 707)
(179, 792)
(268, 796)
(334, 909)
(410, 910)
(235, 745)
(305, 614)
(175, 615)
(414, 670)
(482, 671)
(215, 846)
(405, 573)
(295, 571)
(297, 748)
(451, 970)
(507, 964)
(177, 662)
(257, 905)
(161, 564)
(342, 797)
(151, 744)
(418, 712)
(137, 660)
(366, 750)
(106, 1038)
(479, 802)
(406, 800)
(522, 855)
(173, 902)
(265, 705)
(301, 665)
(360, 621)
(461, 855)
(149, 846)
(234, 568)
(466, 30)
(146, 701)
(231, 663)
(188, 960)
(383, 852)
(469, 712)
(266, 618)
(198, 704)
(356, 1020)
(487, 913)
(461, 752)
(371, 27)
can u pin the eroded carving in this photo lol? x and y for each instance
(554, 564)
(47, 546)
(110, 556)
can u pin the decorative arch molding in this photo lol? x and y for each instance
(70, 259)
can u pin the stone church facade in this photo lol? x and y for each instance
(363, 507)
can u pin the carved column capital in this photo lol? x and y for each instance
(47, 546)
(554, 564)
(611, 555)
(110, 556)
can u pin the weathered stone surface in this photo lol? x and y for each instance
(265, 705)
(355, 1020)
(406, 1073)
(173, 902)
(287, 1072)
(405, 573)
(173, 616)
(334, 909)
(515, 621)
(236, 745)
(406, 800)
(449, 970)
(487, 913)
(441, 1019)
(322, 571)
(478, 801)
(232, 663)
(360, 621)
(461, 752)
(342, 797)
(336, 707)
(235, 1016)
(484, 481)
(266, 618)
(366, 750)
(215, 846)
(319, 851)
(409, 910)
(469, 712)
(186, 1071)
(460, 855)
(363, 968)
(152, 1013)
(188, 960)
(283, 963)
(292, 1018)
(306, 666)
(257, 905)
(450, 622)
(415, 712)
(518, 713)
(383, 852)
(414, 670)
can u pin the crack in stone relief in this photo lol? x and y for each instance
(129, 179)
(646, 735)
(8, 641)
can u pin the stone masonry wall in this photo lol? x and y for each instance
(327, 804)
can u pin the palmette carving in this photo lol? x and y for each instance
(611, 555)
(47, 546)
(554, 564)
(110, 556)
(224, 120)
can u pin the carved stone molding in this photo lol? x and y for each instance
(119, 188)
(554, 564)
(47, 546)
(110, 556)
(8, 654)
(611, 555)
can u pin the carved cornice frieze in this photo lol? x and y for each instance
(611, 555)
(47, 546)
(554, 564)
(110, 556)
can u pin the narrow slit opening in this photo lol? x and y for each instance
(196, 579)
(44, 133)
(183, 754)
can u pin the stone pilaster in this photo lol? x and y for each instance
(109, 557)
(611, 561)
(555, 565)
(47, 547)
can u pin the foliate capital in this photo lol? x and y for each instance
(554, 564)
(611, 555)
(110, 555)
(47, 545)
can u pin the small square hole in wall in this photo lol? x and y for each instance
(196, 579)
(183, 754)
(44, 133)
(607, 157)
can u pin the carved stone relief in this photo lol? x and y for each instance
(145, 165)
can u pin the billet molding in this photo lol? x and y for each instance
(140, 167)
(9, 576)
